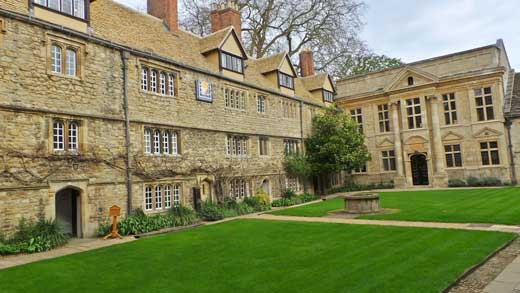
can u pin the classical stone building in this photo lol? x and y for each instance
(443, 118)
(104, 105)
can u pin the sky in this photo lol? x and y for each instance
(413, 30)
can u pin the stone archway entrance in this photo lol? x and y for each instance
(419, 169)
(68, 211)
(265, 186)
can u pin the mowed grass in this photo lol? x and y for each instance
(498, 205)
(267, 256)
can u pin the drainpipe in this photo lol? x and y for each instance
(305, 187)
(125, 55)
(509, 124)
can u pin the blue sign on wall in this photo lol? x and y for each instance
(204, 91)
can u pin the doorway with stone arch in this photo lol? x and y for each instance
(266, 186)
(419, 168)
(67, 203)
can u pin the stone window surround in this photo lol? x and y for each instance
(239, 188)
(162, 130)
(66, 122)
(450, 99)
(78, 47)
(484, 106)
(267, 146)
(230, 104)
(414, 114)
(289, 109)
(357, 115)
(380, 153)
(385, 123)
(258, 97)
(159, 68)
(237, 142)
(163, 195)
(498, 149)
(452, 154)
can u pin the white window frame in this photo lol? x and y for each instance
(175, 142)
(153, 81)
(162, 83)
(158, 197)
(260, 104)
(73, 136)
(171, 84)
(177, 195)
(58, 128)
(157, 142)
(148, 198)
(167, 196)
(357, 115)
(165, 142)
(147, 141)
(71, 62)
(56, 58)
(144, 78)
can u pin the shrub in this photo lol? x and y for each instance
(298, 199)
(473, 181)
(211, 212)
(490, 181)
(282, 202)
(183, 215)
(257, 203)
(456, 183)
(306, 197)
(351, 186)
(288, 193)
(32, 237)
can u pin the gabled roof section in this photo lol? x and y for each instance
(218, 39)
(402, 78)
(274, 63)
(318, 81)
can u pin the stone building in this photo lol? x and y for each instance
(442, 118)
(104, 105)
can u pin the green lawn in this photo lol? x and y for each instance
(501, 206)
(267, 256)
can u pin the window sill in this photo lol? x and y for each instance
(51, 74)
(236, 110)
(162, 155)
(148, 93)
(488, 121)
(65, 153)
(492, 166)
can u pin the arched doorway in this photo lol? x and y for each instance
(205, 191)
(419, 169)
(68, 211)
(266, 187)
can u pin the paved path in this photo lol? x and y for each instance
(462, 226)
(72, 247)
(508, 281)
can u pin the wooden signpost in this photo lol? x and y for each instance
(115, 212)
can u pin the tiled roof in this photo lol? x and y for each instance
(314, 82)
(214, 40)
(514, 110)
(117, 23)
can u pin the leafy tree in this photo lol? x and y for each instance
(367, 63)
(335, 145)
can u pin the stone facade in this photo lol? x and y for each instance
(433, 120)
(106, 101)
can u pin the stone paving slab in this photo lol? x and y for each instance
(72, 247)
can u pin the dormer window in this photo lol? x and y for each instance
(74, 8)
(328, 96)
(286, 80)
(410, 80)
(231, 62)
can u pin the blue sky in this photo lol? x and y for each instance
(418, 29)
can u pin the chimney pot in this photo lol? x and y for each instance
(167, 11)
(306, 62)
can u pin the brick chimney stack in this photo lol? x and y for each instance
(225, 15)
(167, 11)
(306, 62)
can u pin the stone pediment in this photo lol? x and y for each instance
(419, 76)
(385, 143)
(487, 132)
(452, 136)
(416, 140)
